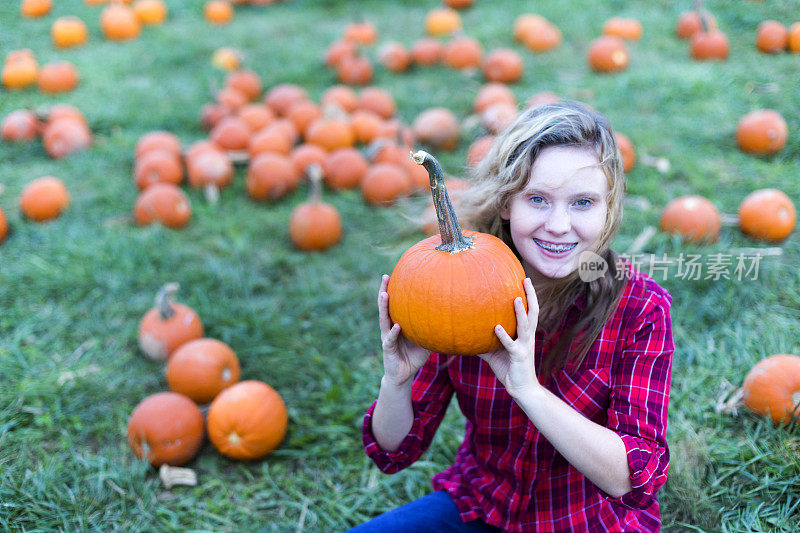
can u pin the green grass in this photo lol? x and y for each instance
(73, 290)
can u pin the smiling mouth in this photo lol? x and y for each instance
(555, 248)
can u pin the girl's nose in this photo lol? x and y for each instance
(558, 222)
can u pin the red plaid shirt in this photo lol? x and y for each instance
(506, 473)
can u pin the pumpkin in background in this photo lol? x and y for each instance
(442, 21)
(344, 168)
(166, 428)
(542, 98)
(20, 125)
(257, 116)
(608, 54)
(459, 4)
(356, 70)
(363, 33)
(302, 114)
(624, 28)
(150, 12)
(762, 132)
(247, 82)
(690, 23)
(394, 56)
(168, 325)
(158, 140)
(60, 111)
(341, 96)
(541, 36)
(709, 44)
(247, 421)
(157, 166)
(271, 176)
(378, 101)
(64, 136)
(3, 225)
(527, 23)
(44, 198)
(772, 387)
(767, 214)
(338, 51)
(119, 23)
(270, 139)
(478, 149)
(492, 93)
(427, 51)
(226, 58)
(315, 225)
(201, 368)
(437, 127)
(35, 8)
(498, 117)
(463, 53)
(59, 77)
(219, 12)
(695, 218)
(210, 169)
(281, 97)
(67, 32)
(384, 183)
(165, 203)
(231, 98)
(231, 133)
(330, 133)
(794, 38)
(627, 151)
(772, 37)
(439, 291)
(20, 69)
(503, 65)
(306, 154)
(366, 125)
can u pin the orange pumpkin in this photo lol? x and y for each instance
(608, 54)
(692, 217)
(303, 113)
(366, 126)
(341, 96)
(762, 132)
(44, 198)
(794, 38)
(211, 114)
(394, 56)
(437, 127)
(3, 226)
(767, 214)
(378, 101)
(344, 168)
(363, 33)
(709, 45)
(20, 125)
(20, 69)
(60, 111)
(166, 428)
(526, 23)
(247, 421)
(330, 133)
(307, 154)
(226, 58)
(459, 4)
(315, 225)
(60, 77)
(65, 136)
(503, 66)
(165, 203)
(442, 21)
(232, 99)
(257, 116)
(542, 98)
(119, 23)
(271, 176)
(219, 12)
(542, 37)
(231, 133)
(492, 93)
(772, 387)
(427, 52)
(210, 169)
(478, 149)
(247, 82)
(270, 139)
(67, 32)
(281, 97)
(201, 369)
(498, 117)
(384, 183)
(463, 53)
(356, 70)
(158, 140)
(624, 28)
(690, 23)
(150, 12)
(157, 166)
(167, 326)
(627, 151)
(338, 51)
(35, 8)
(772, 37)
(460, 304)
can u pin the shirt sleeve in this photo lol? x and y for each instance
(430, 395)
(639, 404)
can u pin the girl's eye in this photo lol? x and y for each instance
(537, 200)
(584, 202)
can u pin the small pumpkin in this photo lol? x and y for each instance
(690, 23)
(202, 368)
(542, 38)
(772, 37)
(478, 149)
(709, 45)
(3, 225)
(64, 136)
(20, 126)
(157, 166)
(542, 98)
(463, 53)
(60, 111)
(377, 100)
(119, 23)
(210, 169)
(356, 70)
(231, 133)
(59, 77)
(247, 421)
(628, 29)
(427, 52)
(164, 203)
(525, 23)
(503, 66)
(166, 428)
(498, 117)
(363, 33)
(340, 95)
(271, 176)
(315, 225)
(344, 168)
(257, 116)
(151, 12)
(158, 140)
(35, 8)
(692, 217)
(439, 291)
(303, 113)
(20, 70)
(232, 99)
(307, 154)
(270, 139)
(218, 12)
(794, 38)
(338, 51)
(44, 199)
(442, 21)
(437, 127)
(608, 54)
(762, 132)
(211, 114)
(459, 4)
(366, 125)
(394, 56)
(167, 326)
(385, 183)
(330, 133)
(767, 214)
(627, 151)
(247, 82)
(67, 32)
(491, 93)
(281, 97)
(772, 387)
(226, 58)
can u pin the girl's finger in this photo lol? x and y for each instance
(505, 340)
(523, 329)
(383, 312)
(390, 337)
(533, 301)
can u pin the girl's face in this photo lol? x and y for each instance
(560, 213)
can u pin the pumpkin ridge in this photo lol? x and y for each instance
(477, 263)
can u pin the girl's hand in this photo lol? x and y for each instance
(401, 357)
(513, 364)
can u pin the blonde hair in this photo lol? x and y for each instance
(506, 170)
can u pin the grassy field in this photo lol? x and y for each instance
(72, 291)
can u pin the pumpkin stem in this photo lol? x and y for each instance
(164, 299)
(315, 177)
(698, 6)
(453, 240)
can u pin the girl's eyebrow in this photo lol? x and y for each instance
(588, 194)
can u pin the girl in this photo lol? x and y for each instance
(565, 426)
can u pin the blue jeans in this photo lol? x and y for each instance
(434, 513)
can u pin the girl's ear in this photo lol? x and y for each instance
(505, 212)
